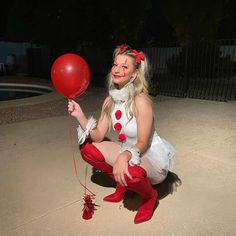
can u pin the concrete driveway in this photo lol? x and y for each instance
(40, 194)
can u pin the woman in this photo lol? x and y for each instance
(140, 158)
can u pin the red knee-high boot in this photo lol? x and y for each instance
(95, 158)
(119, 193)
(117, 196)
(142, 185)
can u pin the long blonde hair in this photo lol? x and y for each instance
(140, 82)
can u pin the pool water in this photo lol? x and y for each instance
(19, 91)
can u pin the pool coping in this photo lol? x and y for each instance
(31, 100)
(28, 81)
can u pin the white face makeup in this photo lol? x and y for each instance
(122, 70)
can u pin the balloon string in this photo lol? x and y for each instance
(74, 162)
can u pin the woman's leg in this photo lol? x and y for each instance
(155, 174)
(142, 185)
(91, 154)
(109, 149)
(102, 156)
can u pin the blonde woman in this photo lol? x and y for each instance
(139, 157)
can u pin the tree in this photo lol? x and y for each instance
(155, 27)
(227, 28)
(18, 16)
(127, 19)
(61, 25)
(194, 19)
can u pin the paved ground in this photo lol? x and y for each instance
(40, 194)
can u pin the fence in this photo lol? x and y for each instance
(200, 69)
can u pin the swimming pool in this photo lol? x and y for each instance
(12, 91)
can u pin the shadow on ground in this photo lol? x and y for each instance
(132, 200)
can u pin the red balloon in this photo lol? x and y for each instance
(70, 75)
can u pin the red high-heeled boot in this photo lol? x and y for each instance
(144, 188)
(117, 196)
(95, 158)
(119, 193)
(147, 206)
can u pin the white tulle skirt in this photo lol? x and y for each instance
(160, 157)
(160, 153)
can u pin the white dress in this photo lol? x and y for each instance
(160, 154)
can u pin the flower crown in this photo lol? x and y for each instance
(138, 55)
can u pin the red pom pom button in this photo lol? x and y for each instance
(122, 137)
(117, 126)
(118, 114)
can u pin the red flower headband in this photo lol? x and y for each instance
(139, 56)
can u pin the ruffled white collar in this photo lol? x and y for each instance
(122, 95)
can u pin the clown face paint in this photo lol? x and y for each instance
(122, 70)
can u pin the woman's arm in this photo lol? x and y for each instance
(98, 133)
(144, 117)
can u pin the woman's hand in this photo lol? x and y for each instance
(120, 168)
(74, 108)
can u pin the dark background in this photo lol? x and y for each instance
(191, 43)
(64, 25)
